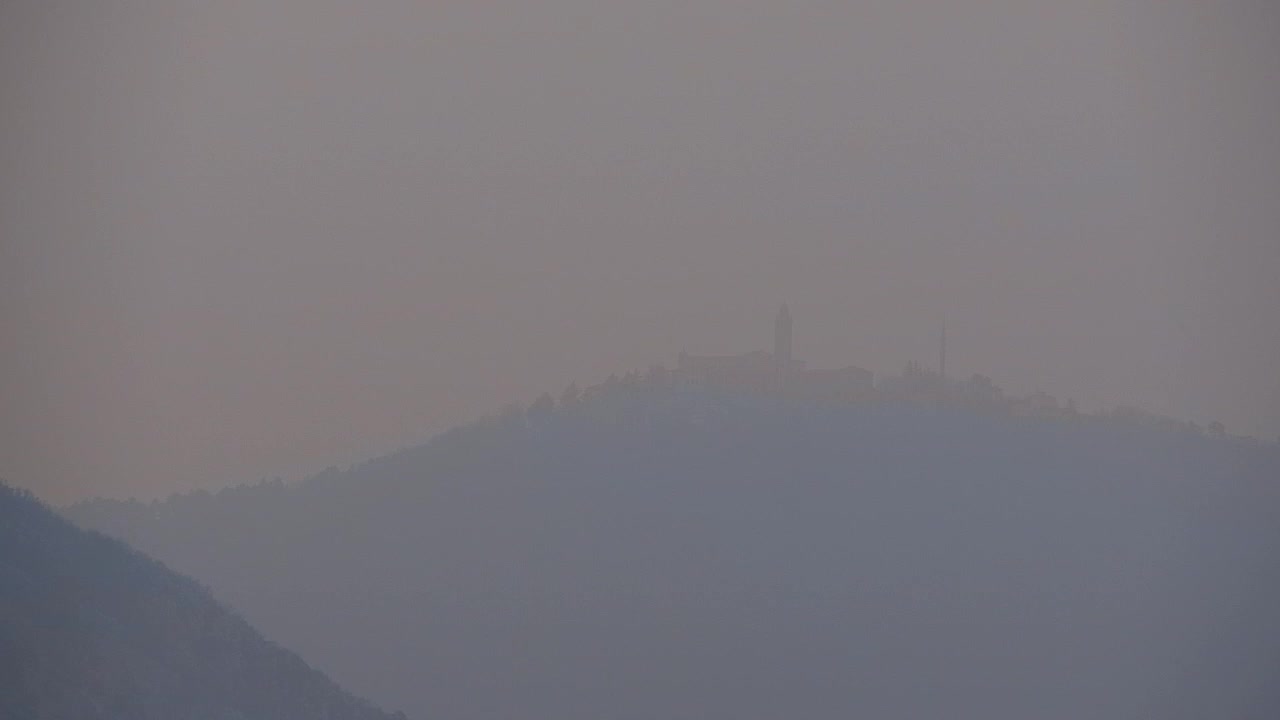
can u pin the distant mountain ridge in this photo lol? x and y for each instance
(91, 629)
(636, 551)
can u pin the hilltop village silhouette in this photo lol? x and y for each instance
(779, 375)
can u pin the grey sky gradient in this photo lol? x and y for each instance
(247, 238)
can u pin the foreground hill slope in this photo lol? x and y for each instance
(92, 629)
(676, 555)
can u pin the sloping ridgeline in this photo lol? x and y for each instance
(666, 554)
(90, 628)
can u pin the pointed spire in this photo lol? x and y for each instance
(782, 339)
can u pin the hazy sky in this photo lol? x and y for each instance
(245, 238)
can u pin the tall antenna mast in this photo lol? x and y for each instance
(942, 351)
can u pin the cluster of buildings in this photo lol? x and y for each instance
(775, 373)
(779, 374)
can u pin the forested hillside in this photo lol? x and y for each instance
(91, 629)
(669, 554)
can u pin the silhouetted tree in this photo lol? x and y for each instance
(570, 395)
(541, 409)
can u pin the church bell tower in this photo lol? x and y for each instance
(782, 340)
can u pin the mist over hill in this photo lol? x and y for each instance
(649, 552)
(90, 629)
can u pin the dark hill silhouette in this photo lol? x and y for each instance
(91, 629)
(658, 553)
